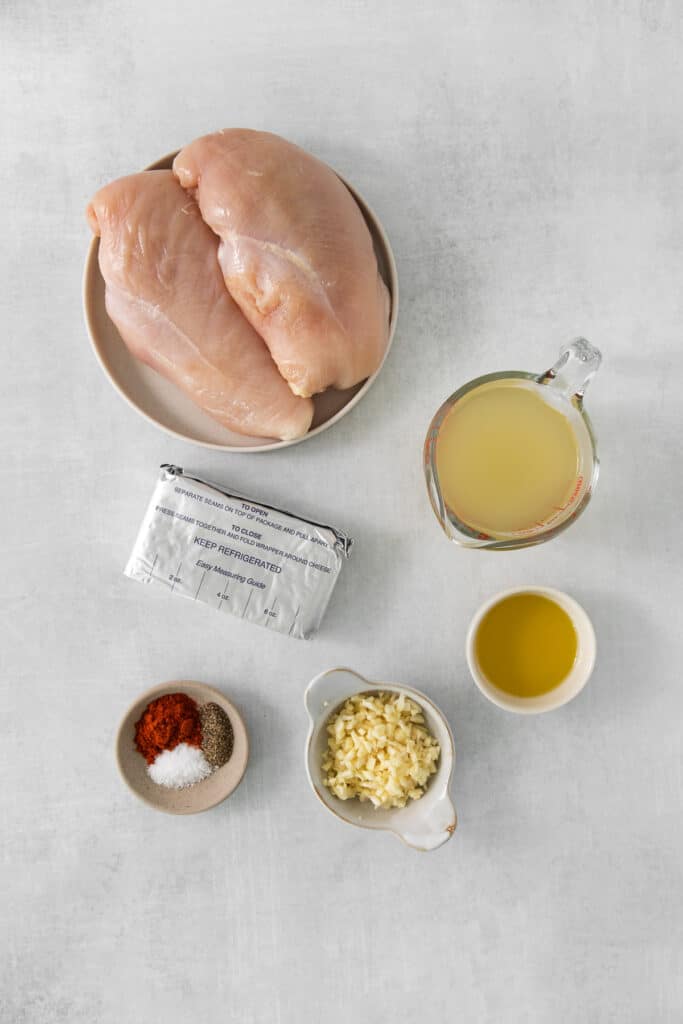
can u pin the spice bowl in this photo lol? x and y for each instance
(201, 796)
(423, 824)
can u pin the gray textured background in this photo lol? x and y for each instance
(526, 157)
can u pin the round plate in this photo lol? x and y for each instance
(168, 407)
(205, 794)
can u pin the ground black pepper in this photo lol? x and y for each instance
(217, 734)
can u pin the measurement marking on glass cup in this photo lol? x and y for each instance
(571, 498)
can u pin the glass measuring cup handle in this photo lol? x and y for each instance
(572, 373)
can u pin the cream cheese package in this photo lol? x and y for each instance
(236, 555)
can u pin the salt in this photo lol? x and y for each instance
(183, 766)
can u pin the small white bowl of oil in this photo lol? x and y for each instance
(531, 649)
(423, 824)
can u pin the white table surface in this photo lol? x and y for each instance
(526, 159)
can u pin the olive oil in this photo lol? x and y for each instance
(526, 645)
(507, 460)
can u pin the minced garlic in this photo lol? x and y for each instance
(379, 749)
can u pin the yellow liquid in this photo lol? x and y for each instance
(526, 645)
(506, 460)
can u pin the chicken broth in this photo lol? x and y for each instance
(507, 461)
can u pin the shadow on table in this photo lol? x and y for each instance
(498, 753)
(264, 779)
(626, 637)
(361, 605)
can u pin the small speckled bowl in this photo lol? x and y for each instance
(205, 794)
(424, 824)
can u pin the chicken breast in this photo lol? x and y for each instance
(296, 255)
(166, 295)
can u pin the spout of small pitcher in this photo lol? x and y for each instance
(432, 830)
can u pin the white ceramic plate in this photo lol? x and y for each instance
(167, 407)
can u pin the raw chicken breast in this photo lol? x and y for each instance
(166, 295)
(296, 255)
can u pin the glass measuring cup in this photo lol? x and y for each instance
(562, 387)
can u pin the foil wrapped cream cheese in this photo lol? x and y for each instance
(236, 555)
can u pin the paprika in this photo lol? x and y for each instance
(166, 722)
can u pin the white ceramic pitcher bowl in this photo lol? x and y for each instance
(424, 824)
